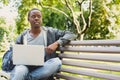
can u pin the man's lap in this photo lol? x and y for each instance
(49, 68)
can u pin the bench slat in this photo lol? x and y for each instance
(97, 57)
(91, 73)
(92, 49)
(96, 42)
(92, 65)
(68, 77)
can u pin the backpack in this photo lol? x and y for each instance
(7, 62)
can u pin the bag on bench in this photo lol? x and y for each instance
(7, 63)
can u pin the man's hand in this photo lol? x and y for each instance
(51, 48)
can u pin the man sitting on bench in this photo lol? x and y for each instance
(38, 35)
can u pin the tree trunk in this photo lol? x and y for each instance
(81, 36)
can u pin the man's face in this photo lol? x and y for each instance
(35, 18)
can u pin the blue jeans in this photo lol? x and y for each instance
(50, 67)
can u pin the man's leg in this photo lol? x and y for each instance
(50, 67)
(19, 72)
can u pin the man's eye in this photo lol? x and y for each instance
(36, 16)
(39, 16)
(33, 16)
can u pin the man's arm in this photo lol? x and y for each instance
(65, 37)
(62, 38)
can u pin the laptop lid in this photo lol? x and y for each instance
(28, 55)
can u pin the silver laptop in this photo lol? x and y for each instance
(28, 55)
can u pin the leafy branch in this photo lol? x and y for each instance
(54, 9)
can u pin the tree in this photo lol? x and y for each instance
(71, 13)
(104, 20)
(114, 10)
(79, 21)
(75, 15)
(53, 17)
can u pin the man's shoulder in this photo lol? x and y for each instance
(25, 32)
(19, 39)
(47, 28)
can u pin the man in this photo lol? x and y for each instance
(39, 35)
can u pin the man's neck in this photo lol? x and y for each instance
(35, 32)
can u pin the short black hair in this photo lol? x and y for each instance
(32, 10)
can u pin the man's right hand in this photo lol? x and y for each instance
(51, 48)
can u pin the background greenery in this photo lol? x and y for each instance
(105, 18)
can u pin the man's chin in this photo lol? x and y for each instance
(36, 27)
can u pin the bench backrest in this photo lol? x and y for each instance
(93, 59)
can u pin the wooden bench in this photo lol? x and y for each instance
(90, 60)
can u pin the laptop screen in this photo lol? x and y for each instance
(28, 55)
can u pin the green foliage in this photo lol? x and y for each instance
(6, 2)
(6, 35)
(57, 14)
(53, 19)
(0, 63)
(116, 1)
(100, 22)
(2, 33)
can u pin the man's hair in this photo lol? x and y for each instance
(32, 10)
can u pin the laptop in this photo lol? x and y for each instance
(28, 55)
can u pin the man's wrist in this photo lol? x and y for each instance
(59, 42)
(56, 43)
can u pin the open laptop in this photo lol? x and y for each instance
(28, 55)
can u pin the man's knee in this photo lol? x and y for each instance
(53, 65)
(57, 62)
(19, 72)
(21, 69)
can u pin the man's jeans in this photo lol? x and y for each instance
(21, 72)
